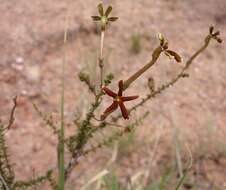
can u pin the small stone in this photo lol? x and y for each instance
(19, 60)
(33, 73)
(18, 64)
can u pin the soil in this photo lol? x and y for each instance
(193, 110)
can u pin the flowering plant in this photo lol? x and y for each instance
(87, 127)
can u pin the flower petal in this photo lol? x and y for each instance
(109, 110)
(101, 9)
(108, 11)
(120, 88)
(129, 98)
(175, 55)
(109, 92)
(96, 18)
(112, 19)
(112, 107)
(124, 111)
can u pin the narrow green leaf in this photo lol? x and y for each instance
(152, 186)
(180, 183)
(165, 178)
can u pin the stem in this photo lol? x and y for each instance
(12, 118)
(61, 133)
(4, 183)
(101, 59)
(190, 60)
(168, 84)
(155, 56)
(180, 75)
(89, 115)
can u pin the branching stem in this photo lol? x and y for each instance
(174, 80)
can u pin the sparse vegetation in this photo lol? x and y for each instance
(99, 120)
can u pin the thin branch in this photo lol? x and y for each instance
(180, 75)
(46, 119)
(82, 135)
(32, 182)
(86, 79)
(4, 183)
(72, 163)
(126, 129)
(12, 113)
(155, 57)
(5, 166)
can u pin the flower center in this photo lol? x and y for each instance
(118, 98)
(104, 20)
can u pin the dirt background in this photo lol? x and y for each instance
(31, 38)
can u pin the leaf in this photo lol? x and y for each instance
(112, 19)
(96, 18)
(181, 181)
(111, 182)
(175, 55)
(108, 11)
(101, 9)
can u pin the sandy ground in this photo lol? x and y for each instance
(194, 109)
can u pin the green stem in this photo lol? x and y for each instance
(61, 133)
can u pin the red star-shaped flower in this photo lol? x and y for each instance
(118, 100)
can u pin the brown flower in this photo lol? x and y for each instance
(103, 16)
(118, 101)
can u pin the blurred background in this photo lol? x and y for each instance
(189, 116)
